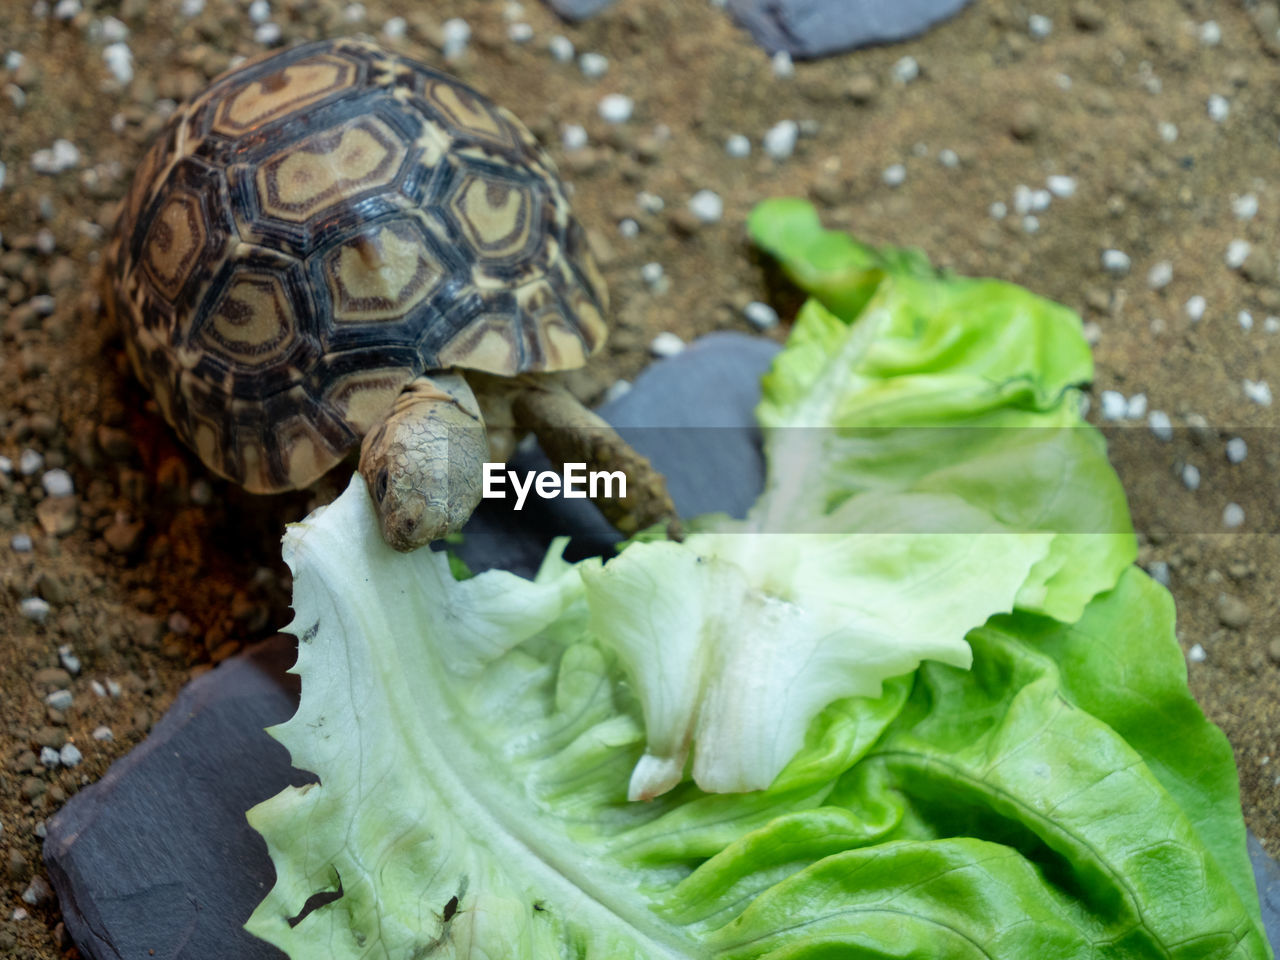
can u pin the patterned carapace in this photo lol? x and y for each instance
(320, 227)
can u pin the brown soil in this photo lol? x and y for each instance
(154, 570)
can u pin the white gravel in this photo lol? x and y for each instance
(760, 315)
(1061, 185)
(21, 543)
(63, 155)
(649, 202)
(67, 657)
(573, 136)
(49, 757)
(29, 462)
(666, 344)
(260, 11)
(653, 275)
(1136, 407)
(1210, 33)
(1219, 107)
(1115, 262)
(707, 206)
(34, 608)
(1245, 319)
(1245, 206)
(617, 390)
(628, 227)
(455, 34)
(1191, 477)
(268, 34)
(782, 64)
(1194, 308)
(1237, 253)
(1160, 425)
(1160, 275)
(561, 48)
(191, 8)
(998, 210)
(70, 755)
(1159, 571)
(905, 70)
(616, 108)
(57, 483)
(1259, 391)
(1039, 26)
(67, 9)
(780, 139)
(103, 733)
(1237, 450)
(395, 28)
(894, 175)
(593, 65)
(1232, 515)
(737, 146)
(3, 171)
(948, 158)
(519, 32)
(60, 699)
(1114, 405)
(1168, 131)
(112, 30)
(1196, 654)
(1031, 223)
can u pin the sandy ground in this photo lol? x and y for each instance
(152, 570)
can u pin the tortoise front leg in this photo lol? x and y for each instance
(570, 433)
(424, 464)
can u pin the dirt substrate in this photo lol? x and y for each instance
(153, 570)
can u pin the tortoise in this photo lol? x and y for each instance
(334, 242)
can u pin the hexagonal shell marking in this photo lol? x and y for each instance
(278, 94)
(382, 273)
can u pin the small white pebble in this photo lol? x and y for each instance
(19, 913)
(395, 28)
(1271, 325)
(905, 70)
(1237, 450)
(1039, 26)
(649, 202)
(1159, 571)
(561, 48)
(760, 315)
(119, 60)
(1160, 425)
(1232, 515)
(1168, 131)
(29, 462)
(1061, 185)
(1237, 253)
(67, 9)
(1136, 407)
(1031, 223)
(13, 60)
(616, 108)
(191, 8)
(114, 689)
(67, 657)
(948, 158)
(1196, 654)
(1063, 81)
(260, 11)
(780, 139)
(455, 34)
(894, 175)
(3, 170)
(1160, 275)
(1245, 206)
(60, 699)
(737, 146)
(1259, 391)
(6, 466)
(1114, 405)
(34, 608)
(57, 483)
(628, 227)
(113, 30)
(652, 274)
(666, 344)
(1245, 319)
(519, 32)
(1194, 308)
(103, 733)
(573, 136)
(1040, 200)
(63, 155)
(998, 211)
(782, 64)
(21, 543)
(49, 757)
(617, 390)
(70, 755)
(707, 206)
(514, 10)
(1210, 33)
(1022, 199)
(1092, 336)
(97, 687)
(1219, 108)
(268, 33)
(1190, 477)
(1115, 262)
(593, 65)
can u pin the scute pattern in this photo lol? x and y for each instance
(321, 226)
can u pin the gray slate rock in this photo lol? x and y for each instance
(815, 28)
(578, 9)
(157, 855)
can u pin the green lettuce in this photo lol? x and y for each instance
(917, 703)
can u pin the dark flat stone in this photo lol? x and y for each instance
(578, 9)
(815, 28)
(157, 855)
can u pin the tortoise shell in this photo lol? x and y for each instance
(322, 226)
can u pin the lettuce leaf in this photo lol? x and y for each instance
(917, 703)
